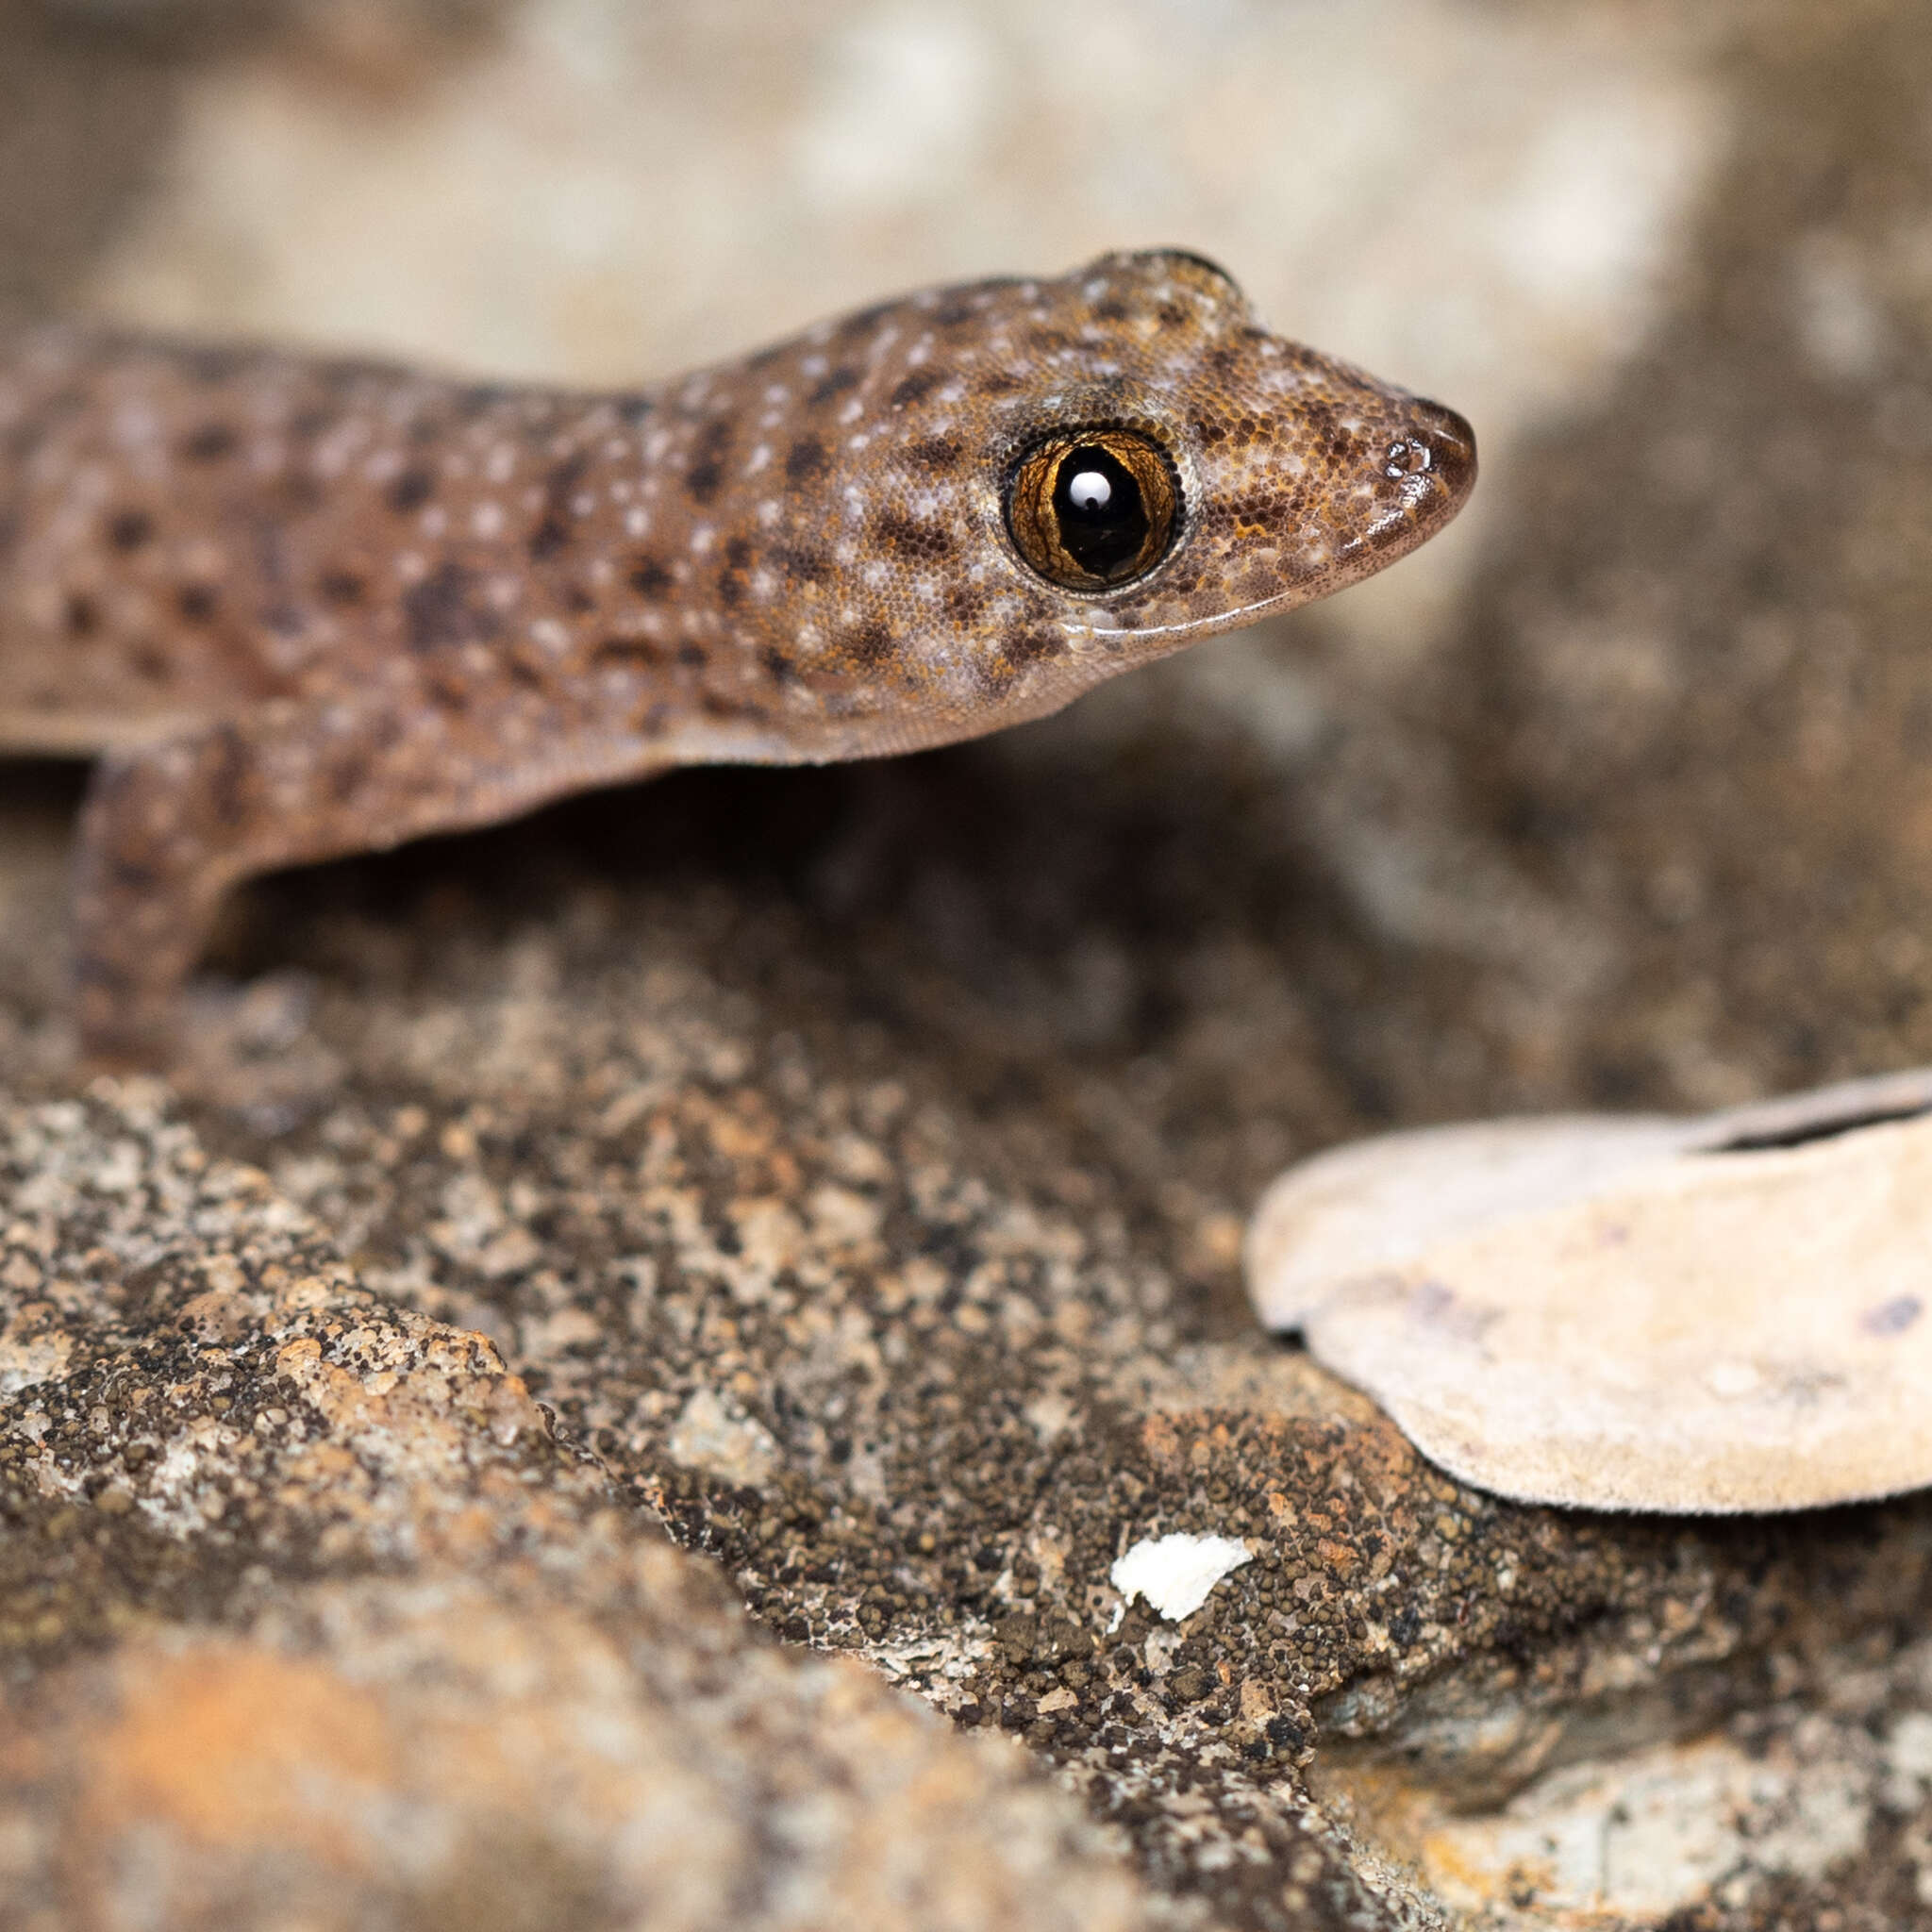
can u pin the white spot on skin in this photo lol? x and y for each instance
(486, 520)
(500, 465)
(637, 521)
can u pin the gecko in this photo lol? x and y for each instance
(298, 606)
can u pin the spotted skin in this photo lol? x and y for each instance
(307, 607)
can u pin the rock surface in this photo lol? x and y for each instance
(311, 1618)
(846, 1170)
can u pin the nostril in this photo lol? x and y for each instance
(1407, 456)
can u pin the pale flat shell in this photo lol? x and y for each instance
(1732, 1313)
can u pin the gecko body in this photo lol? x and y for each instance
(301, 608)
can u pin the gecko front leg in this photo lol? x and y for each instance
(169, 827)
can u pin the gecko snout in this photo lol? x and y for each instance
(1436, 458)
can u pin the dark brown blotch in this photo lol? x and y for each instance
(214, 365)
(733, 572)
(209, 443)
(197, 603)
(343, 586)
(628, 654)
(953, 314)
(649, 578)
(346, 775)
(343, 373)
(632, 410)
(908, 538)
(230, 768)
(128, 530)
(801, 565)
(444, 610)
(82, 615)
(863, 322)
(1031, 645)
(869, 644)
(993, 672)
(935, 455)
(834, 383)
(916, 387)
(550, 536)
(805, 459)
(564, 476)
(778, 666)
(716, 705)
(705, 475)
(411, 489)
(998, 382)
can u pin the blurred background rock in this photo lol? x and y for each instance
(1619, 794)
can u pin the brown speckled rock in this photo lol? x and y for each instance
(308, 1618)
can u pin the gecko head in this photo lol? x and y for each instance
(1052, 481)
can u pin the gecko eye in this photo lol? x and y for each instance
(1094, 508)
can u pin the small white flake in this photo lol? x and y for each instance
(1175, 1573)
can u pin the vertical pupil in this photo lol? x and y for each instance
(1097, 507)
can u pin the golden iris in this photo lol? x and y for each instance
(1090, 508)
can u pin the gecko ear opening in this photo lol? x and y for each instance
(1090, 508)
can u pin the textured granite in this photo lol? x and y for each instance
(309, 1616)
